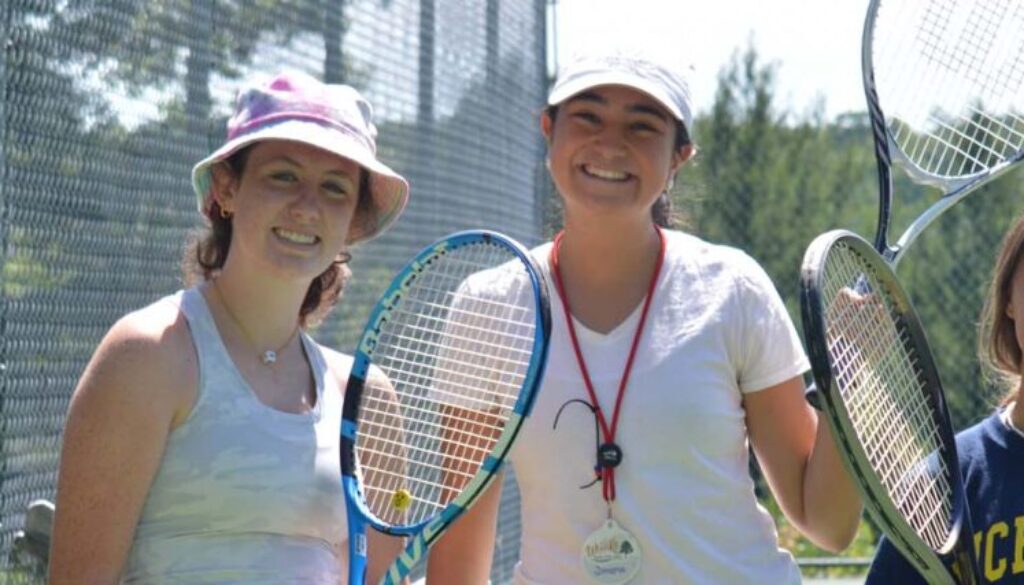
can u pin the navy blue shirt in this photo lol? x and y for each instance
(992, 463)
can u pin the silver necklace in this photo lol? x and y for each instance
(267, 357)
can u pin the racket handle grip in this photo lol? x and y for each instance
(812, 396)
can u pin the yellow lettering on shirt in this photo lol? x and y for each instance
(994, 571)
(1018, 546)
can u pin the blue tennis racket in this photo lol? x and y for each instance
(442, 380)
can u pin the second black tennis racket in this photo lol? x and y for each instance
(880, 390)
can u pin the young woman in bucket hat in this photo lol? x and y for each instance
(201, 444)
(669, 356)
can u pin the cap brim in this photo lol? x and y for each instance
(388, 189)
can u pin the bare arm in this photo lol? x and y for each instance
(463, 554)
(116, 429)
(382, 549)
(802, 465)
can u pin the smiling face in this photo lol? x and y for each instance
(612, 150)
(292, 207)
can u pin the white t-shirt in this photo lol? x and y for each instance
(717, 329)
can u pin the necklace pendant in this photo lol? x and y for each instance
(268, 357)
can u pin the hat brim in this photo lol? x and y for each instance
(388, 190)
(586, 81)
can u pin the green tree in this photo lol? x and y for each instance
(768, 182)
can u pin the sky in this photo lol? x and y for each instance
(815, 44)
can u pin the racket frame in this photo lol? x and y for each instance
(959, 547)
(426, 532)
(879, 133)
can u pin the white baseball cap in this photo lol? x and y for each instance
(667, 83)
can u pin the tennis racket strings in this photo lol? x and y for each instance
(876, 369)
(455, 351)
(950, 78)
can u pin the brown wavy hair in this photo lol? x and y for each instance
(661, 212)
(998, 348)
(208, 249)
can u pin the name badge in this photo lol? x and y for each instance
(611, 555)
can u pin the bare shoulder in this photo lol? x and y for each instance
(157, 323)
(151, 340)
(143, 361)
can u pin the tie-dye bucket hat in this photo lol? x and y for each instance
(335, 118)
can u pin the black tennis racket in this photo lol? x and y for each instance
(944, 81)
(442, 380)
(881, 394)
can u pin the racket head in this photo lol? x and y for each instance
(881, 393)
(463, 327)
(949, 76)
(943, 81)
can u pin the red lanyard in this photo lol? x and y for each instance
(609, 455)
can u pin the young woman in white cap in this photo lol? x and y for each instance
(669, 357)
(201, 445)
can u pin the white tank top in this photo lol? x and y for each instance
(245, 493)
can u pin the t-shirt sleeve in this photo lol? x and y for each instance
(770, 351)
(889, 567)
(486, 344)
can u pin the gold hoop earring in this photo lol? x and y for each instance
(344, 257)
(225, 214)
